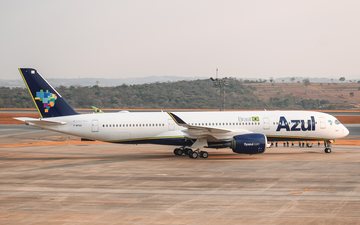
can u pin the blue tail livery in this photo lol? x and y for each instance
(47, 100)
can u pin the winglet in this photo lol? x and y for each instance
(177, 119)
(182, 123)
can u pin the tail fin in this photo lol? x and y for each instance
(47, 100)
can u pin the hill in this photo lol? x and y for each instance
(201, 94)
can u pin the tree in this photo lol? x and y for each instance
(342, 79)
(306, 82)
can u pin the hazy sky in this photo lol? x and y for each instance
(136, 38)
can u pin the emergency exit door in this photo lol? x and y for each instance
(95, 126)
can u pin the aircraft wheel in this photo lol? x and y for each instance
(204, 154)
(194, 155)
(188, 151)
(327, 150)
(178, 151)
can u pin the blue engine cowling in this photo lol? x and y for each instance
(253, 143)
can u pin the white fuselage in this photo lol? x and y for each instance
(143, 126)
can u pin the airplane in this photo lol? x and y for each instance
(244, 132)
(96, 109)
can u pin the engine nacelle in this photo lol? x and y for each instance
(253, 143)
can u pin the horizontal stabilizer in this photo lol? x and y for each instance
(39, 122)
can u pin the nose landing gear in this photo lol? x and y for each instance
(327, 145)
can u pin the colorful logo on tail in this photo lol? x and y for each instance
(47, 98)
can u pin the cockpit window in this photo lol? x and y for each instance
(337, 122)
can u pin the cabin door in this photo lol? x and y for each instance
(95, 126)
(322, 123)
(266, 123)
(171, 124)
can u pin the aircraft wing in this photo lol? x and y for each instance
(39, 122)
(207, 132)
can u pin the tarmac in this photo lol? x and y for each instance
(51, 178)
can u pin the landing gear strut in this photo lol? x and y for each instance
(327, 145)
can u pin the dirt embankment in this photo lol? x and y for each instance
(337, 93)
(8, 118)
(349, 119)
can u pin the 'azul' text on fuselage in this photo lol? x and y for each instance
(296, 125)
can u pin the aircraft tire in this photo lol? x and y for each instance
(188, 151)
(327, 150)
(178, 151)
(204, 154)
(194, 155)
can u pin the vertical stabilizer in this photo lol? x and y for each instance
(47, 100)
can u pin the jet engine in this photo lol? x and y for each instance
(253, 143)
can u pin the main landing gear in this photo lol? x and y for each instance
(327, 145)
(194, 154)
